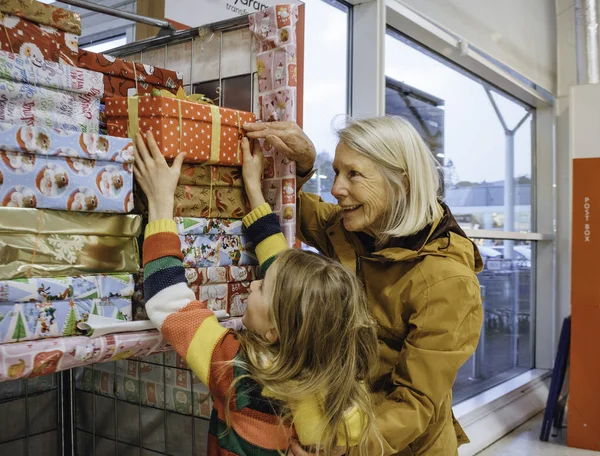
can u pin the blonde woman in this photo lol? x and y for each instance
(301, 367)
(417, 267)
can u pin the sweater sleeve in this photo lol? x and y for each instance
(265, 233)
(186, 323)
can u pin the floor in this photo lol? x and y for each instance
(524, 441)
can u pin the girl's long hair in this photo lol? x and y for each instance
(326, 347)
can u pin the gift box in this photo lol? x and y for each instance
(231, 297)
(220, 275)
(51, 95)
(217, 250)
(43, 14)
(208, 134)
(124, 78)
(217, 176)
(210, 201)
(39, 42)
(44, 243)
(54, 169)
(192, 225)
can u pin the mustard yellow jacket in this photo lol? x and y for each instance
(425, 297)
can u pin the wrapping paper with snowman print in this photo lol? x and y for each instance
(155, 383)
(46, 356)
(49, 94)
(274, 30)
(39, 42)
(124, 78)
(217, 250)
(69, 171)
(42, 13)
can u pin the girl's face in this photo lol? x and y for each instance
(360, 190)
(258, 313)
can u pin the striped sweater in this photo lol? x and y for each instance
(207, 347)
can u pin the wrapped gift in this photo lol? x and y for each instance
(42, 243)
(231, 297)
(217, 176)
(39, 42)
(124, 78)
(41, 319)
(209, 201)
(49, 95)
(191, 225)
(54, 169)
(43, 14)
(220, 275)
(217, 250)
(207, 133)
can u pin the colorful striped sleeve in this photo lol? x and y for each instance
(186, 323)
(265, 233)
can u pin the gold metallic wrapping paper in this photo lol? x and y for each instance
(46, 243)
(220, 176)
(210, 201)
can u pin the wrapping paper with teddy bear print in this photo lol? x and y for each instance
(42, 13)
(274, 29)
(206, 133)
(172, 387)
(44, 243)
(49, 94)
(42, 357)
(124, 78)
(69, 171)
(39, 42)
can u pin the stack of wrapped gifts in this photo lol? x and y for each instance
(210, 200)
(68, 248)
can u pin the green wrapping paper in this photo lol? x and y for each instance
(45, 243)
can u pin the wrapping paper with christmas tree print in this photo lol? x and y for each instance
(192, 225)
(41, 243)
(124, 78)
(54, 169)
(208, 134)
(43, 14)
(50, 95)
(274, 29)
(42, 319)
(149, 383)
(217, 250)
(46, 356)
(39, 42)
(210, 202)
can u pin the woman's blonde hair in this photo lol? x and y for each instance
(327, 346)
(408, 166)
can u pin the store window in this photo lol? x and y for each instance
(325, 84)
(481, 139)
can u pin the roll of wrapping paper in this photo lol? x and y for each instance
(210, 201)
(41, 13)
(45, 243)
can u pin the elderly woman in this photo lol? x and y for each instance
(417, 266)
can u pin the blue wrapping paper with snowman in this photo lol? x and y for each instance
(37, 308)
(65, 170)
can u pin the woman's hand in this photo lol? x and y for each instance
(157, 179)
(252, 172)
(296, 450)
(289, 139)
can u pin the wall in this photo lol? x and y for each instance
(520, 34)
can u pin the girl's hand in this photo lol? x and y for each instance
(289, 139)
(252, 172)
(156, 178)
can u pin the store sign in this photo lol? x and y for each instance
(201, 12)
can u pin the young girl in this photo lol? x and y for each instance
(301, 367)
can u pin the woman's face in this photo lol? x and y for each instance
(360, 190)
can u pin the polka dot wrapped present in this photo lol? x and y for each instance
(206, 133)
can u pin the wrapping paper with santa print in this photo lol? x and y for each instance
(50, 95)
(54, 169)
(206, 133)
(217, 250)
(274, 29)
(152, 382)
(210, 201)
(43, 243)
(43, 14)
(120, 75)
(39, 42)
(42, 357)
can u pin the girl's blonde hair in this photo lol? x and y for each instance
(408, 167)
(327, 346)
